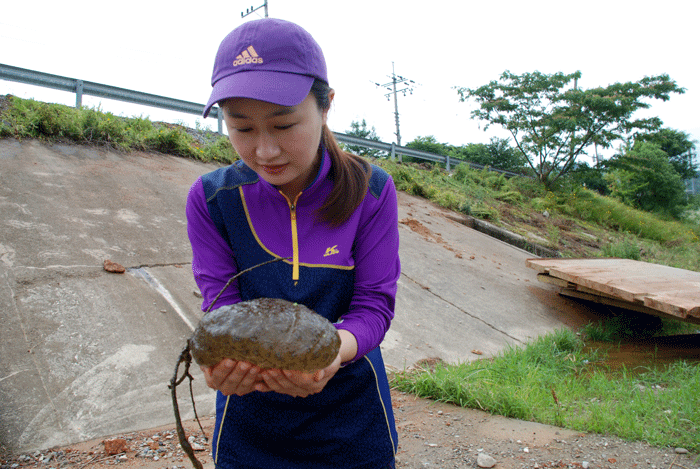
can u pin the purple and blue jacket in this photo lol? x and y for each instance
(347, 274)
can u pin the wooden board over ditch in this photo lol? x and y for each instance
(639, 286)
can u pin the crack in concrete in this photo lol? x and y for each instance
(35, 360)
(150, 266)
(427, 288)
(57, 266)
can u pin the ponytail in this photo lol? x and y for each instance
(350, 173)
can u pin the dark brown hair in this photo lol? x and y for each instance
(350, 173)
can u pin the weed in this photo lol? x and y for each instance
(26, 118)
(627, 248)
(510, 197)
(569, 386)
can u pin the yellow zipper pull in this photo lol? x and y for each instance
(295, 238)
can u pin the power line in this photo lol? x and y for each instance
(397, 81)
(251, 10)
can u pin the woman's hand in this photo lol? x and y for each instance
(234, 377)
(239, 377)
(301, 384)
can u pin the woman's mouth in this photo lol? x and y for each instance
(276, 169)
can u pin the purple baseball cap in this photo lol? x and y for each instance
(268, 59)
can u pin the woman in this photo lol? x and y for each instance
(296, 195)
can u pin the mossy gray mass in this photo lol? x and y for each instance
(270, 333)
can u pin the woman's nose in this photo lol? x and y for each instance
(266, 148)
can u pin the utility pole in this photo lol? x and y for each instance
(250, 10)
(397, 80)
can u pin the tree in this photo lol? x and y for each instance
(581, 174)
(497, 154)
(553, 123)
(359, 129)
(644, 178)
(429, 144)
(679, 148)
(505, 157)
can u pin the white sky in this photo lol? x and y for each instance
(168, 48)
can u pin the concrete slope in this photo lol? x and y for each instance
(87, 353)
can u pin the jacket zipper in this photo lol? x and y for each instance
(295, 237)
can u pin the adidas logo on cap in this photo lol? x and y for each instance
(248, 56)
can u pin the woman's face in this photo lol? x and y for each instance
(280, 143)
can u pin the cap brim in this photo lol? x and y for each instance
(285, 89)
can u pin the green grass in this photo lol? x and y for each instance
(578, 222)
(552, 380)
(25, 118)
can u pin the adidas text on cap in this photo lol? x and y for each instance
(269, 60)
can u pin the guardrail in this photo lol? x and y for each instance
(82, 87)
(395, 150)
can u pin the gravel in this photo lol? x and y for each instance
(431, 435)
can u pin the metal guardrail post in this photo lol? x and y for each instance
(447, 163)
(78, 94)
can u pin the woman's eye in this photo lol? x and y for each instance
(283, 127)
(243, 130)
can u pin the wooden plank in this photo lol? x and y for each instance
(624, 304)
(545, 278)
(666, 289)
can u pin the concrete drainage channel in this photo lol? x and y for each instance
(506, 236)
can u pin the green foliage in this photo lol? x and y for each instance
(220, 151)
(430, 145)
(510, 197)
(678, 147)
(553, 123)
(359, 129)
(496, 154)
(479, 210)
(172, 141)
(451, 200)
(589, 177)
(55, 122)
(627, 248)
(529, 188)
(611, 213)
(572, 386)
(495, 181)
(503, 156)
(645, 178)
(485, 195)
(465, 174)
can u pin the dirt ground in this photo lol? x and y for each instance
(431, 435)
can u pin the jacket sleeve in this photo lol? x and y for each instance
(377, 270)
(213, 263)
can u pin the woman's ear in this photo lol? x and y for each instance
(331, 95)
